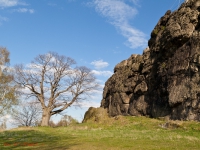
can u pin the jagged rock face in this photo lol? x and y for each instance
(165, 79)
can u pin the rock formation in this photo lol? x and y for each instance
(165, 79)
(96, 115)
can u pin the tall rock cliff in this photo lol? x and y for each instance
(165, 79)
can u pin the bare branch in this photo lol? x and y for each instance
(52, 79)
(27, 114)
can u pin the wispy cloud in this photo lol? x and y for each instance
(3, 19)
(119, 13)
(99, 64)
(8, 3)
(89, 104)
(24, 10)
(102, 73)
(11, 3)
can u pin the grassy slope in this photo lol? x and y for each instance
(124, 133)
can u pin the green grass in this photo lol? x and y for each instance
(134, 133)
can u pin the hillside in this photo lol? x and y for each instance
(118, 133)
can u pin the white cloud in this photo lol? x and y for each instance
(99, 64)
(119, 12)
(8, 3)
(31, 11)
(100, 81)
(3, 18)
(24, 10)
(102, 73)
(135, 1)
(11, 3)
(134, 36)
(87, 104)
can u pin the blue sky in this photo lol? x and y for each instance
(96, 33)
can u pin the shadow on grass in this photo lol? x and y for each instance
(34, 139)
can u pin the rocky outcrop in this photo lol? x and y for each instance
(96, 115)
(165, 79)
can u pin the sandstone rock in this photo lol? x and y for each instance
(95, 115)
(165, 79)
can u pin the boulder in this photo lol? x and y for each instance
(95, 115)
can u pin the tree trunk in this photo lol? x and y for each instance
(45, 117)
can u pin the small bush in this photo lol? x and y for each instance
(65, 121)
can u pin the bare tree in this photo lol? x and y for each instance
(8, 90)
(55, 83)
(27, 114)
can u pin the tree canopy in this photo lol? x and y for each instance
(8, 90)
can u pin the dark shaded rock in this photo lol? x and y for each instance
(165, 79)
